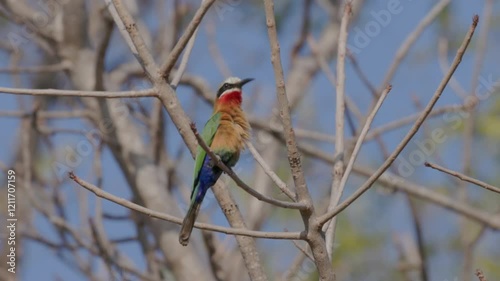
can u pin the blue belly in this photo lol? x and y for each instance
(208, 177)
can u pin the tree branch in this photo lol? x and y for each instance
(75, 93)
(181, 44)
(338, 166)
(314, 237)
(411, 39)
(279, 183)
(129, 31)
(463, 177)
(458, 58)
(166, 217)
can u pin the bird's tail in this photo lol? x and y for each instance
(188, 223)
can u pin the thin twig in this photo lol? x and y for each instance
(293, 153)
(418, 191)
(361, 74)
(323, 65)
(469, 134)
(304, 28)
(315, 238)
(185, 58)
(338, 166)
(294, 267)
(181, 44)
(279, 183)
(261, 124)
(239, 182)
(469, 249)
(136, 41)
(214, 50)
(38, 68)
(424, 193)
(411, 133)
(303, 250)
(463, 177)
(166, 217)
(360, 140)
(214, 256)
(412, 38)
(401, 122)
(102, 49)
(392, 181)
(444, 65)
(74, 93)
(48, 114)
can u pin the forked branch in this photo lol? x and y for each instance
(371, 180)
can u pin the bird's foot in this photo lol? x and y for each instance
(213, 162)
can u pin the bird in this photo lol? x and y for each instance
(225, 133)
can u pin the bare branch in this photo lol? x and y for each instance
(322, 63)
(294, 268)
(463, 177)
(444, 65)
(158, 215)
(361, 74)
(181, 44)
(128, 30)
(279, 183)
(293, 153)
(304, 28)
(421, 192)
(354, 155)
(401, 122)
(338, 166)
(315, 238)
(469, 136)
(214, 50)
(411, 133)
(184, 60)
(48, 114)
(412, 38)
(361, 138)
(37, 69)
(76, 93)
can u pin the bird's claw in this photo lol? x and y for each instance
(213, 162)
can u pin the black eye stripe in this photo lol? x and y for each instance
(225, 87)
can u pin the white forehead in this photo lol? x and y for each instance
(232, 80)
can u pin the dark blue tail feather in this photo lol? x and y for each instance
(208, 177)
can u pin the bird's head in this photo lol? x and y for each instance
(230, 90)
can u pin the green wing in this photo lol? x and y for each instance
(208, 136)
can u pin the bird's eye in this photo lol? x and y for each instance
(225, 86)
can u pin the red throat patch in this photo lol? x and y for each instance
(233, 97)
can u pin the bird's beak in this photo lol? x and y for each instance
(244, 81)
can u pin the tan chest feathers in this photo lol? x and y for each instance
(231, 134)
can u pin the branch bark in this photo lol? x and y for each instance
(338, 166)
(458, 58)
(182, 123)
(315, 238)
(463, 177)
(177, 220)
